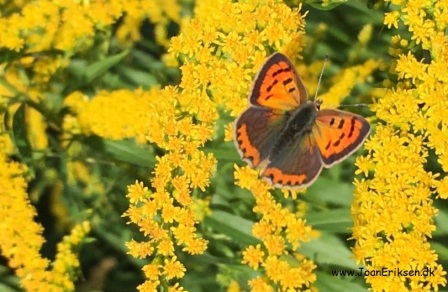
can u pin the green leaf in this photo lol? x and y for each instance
(148, 62)
(336, 220)
(319, 4)
(441, 250)
(138, 77)
(327, 282)
(237, 228)
(225, 151)
(7, 55)
(129, 151)
(99, 68)
(5, 288)
(20, 133)
(327, 190)
(440, 220)
(368, 14)
(329, 249)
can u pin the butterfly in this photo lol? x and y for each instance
(288, 137)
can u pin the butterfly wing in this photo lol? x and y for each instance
(297, 166)
(256, 131)
(338, 134)
(277, 85)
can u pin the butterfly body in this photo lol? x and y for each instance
(299, 124)
(287, 136)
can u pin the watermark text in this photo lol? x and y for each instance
(385, 272)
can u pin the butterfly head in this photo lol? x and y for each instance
(318, 103)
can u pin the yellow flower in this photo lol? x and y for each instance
(148, 286)
(442, 188)
(152, 271)
(169, 212)
(176, 288)
(139, 249)
(275, 268)
(363, 165)
(195, 246)
(275, 245)
(233, 287)
(262, 229)
(172, 268)
(391, 19)
(253, 256)
(136, 192)
(297, 231)
(258, 284)
(166, 247)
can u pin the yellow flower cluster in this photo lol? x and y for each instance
(393, 207)
(158, 12)
(38, 39)
(38, 30)
(233, 40)
(167, 216)
(67, 261)
(281, 232)
(22, 238)
(345, 80)
(70, 25)
(41, 36)
(347, 77)
(166, 225)
(113, 115)
(224, 39)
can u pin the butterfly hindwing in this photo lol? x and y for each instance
(277, 85)
(297, 166)
(255, 132)
(338, 134)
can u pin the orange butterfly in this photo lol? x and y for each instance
(286, 135)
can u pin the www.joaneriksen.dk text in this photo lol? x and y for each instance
(384, 272)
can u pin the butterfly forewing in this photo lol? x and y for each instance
(338, 134)
(277, 85)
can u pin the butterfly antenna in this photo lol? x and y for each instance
(320, 77)
(354, 105)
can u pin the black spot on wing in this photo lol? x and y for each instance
(352, 127)
(279, 71)
(269, 88)
(287, 81)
